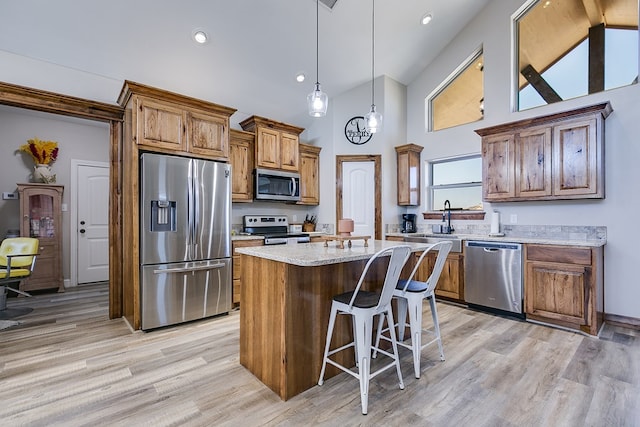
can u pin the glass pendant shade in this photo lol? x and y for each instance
(317, 101)
(373, 120)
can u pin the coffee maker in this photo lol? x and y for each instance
(409, 223)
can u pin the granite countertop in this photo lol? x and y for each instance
(514, 239)
(313, 254)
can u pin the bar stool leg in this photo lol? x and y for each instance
(364, 329)
(332, 321)
(436, 325)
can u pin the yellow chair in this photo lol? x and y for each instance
(17, 259)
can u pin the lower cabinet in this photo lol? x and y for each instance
(564, 286)
(237, 265)
(451, 282)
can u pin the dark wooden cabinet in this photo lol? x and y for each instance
(560, 156)
(564, 286)
(41, 217)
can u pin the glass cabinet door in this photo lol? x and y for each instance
(41, 216)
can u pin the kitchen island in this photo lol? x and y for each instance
(285, 306)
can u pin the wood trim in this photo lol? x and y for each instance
(624, 321)
(49, 102)
(604, 109)
(250, 124)
(377, 159)
(465, 215)
(129, 88)
(54, 103)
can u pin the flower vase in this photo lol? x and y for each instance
(43, 173)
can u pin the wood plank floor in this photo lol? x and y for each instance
(67, 364)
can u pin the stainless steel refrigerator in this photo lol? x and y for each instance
(185, 239)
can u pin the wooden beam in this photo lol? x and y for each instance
(50, 102)
(596, 58)
(540, 84)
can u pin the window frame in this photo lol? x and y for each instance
(429, 187)
(445, 83)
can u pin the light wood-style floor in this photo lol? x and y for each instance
(67, 364)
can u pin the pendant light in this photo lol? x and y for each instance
(373, 119)
(317, 101)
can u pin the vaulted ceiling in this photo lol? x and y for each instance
(256, 47)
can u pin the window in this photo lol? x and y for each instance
(458, 180)
(460, 98)
(567, 49)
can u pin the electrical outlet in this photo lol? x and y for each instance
(9, 196)
(513, 219)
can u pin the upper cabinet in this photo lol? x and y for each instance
(241, 149)
(276, 143)
(559, 156)
(168, 122)
(309, 175)
(408, 159)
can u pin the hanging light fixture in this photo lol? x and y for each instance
(317, 101)
(373, 119)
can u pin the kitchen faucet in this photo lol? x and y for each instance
(446, 216)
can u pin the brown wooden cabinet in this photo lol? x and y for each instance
(41, 217)
(168, 122)
(156, 120)
(276, 143)
(560, 156)
(241, 152)
(564, 286)
(408, 163)
(309, 175)
(237, 265)
(451, 282)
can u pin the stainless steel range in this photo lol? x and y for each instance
(274, 228)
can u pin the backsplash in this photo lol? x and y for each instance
(564, 232)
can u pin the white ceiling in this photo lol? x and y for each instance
(255, 50)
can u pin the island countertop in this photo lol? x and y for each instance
(315, 254)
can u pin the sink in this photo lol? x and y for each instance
(435, 238)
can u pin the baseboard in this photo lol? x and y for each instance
(625, 321)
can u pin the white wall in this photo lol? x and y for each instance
(77, 139)
(491, 28)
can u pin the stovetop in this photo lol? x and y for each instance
(269, 226)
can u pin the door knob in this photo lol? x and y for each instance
(82, 230)
(81, 222)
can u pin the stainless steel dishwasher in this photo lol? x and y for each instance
(493, 276)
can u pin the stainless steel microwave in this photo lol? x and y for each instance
(277, 185)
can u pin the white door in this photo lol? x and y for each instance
(93, 223)
(358, 196)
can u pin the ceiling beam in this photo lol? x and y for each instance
(594, 11)
(540, 85)
(596, 58)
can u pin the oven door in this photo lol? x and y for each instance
(277, 185)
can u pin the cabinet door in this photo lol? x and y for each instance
(289, 152)
(557, 291)
(451, 281)
(309, 176)
(241, 159)
(498, 167)
(408, 178)
(40, 209)
(237, 265)
(208, 135)
(575, 154)
(160, 125)
(533, 163)
(267, 148)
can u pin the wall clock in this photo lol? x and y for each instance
(356, 132)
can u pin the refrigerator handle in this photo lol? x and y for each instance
(189, 269)
(196, 216)
(190, 210)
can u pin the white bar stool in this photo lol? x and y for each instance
(409, 295)
(363, 306)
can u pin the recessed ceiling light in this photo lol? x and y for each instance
(200, 36)
(426, 19)
(300, 77)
